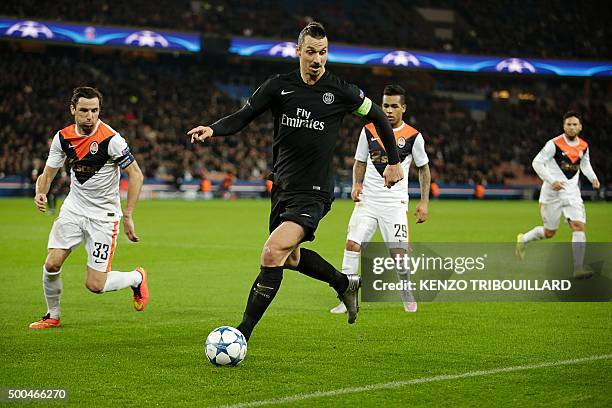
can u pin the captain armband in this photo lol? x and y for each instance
(125, 159)
(364, 108)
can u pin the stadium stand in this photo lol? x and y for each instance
(526, 28)
(153, 102)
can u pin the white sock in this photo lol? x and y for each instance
(578, 246)
(406, 293)
(533, 235)
(119, 280)
(350, 262)
(52, 288)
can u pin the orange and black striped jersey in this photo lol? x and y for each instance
(563, 160)
(410, 145)
(94, 162)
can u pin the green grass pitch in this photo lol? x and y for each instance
(202, 258)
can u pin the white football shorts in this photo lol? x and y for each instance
(100, 237)
(392, 221)
(572, 210)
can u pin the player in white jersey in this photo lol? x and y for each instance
(559, 165)
(377, 206)
(92, 209)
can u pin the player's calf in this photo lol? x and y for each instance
(533, 234)
(95, 281)
(262, 293)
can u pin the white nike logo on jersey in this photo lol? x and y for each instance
(283, 92)
(307, 215)
(260, 286)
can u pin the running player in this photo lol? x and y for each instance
(559, 165)
(92, 209)
(308, 106)
(376, 206)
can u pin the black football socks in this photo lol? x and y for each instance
(313, 265)
(262, 293)
(269, 280)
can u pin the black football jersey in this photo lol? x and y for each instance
(307, 121)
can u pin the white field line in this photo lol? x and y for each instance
(398, 384)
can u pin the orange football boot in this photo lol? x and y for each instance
(45, 323)
(141, 292)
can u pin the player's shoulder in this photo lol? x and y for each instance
(106, 134)
(280, 79)
(68, 132)
(557, 140)
(104, 129)
(561, 142)
(274, 82)
(338, 82)
(407, 131)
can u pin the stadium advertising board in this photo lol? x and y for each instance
(261, 48)
(84, 34)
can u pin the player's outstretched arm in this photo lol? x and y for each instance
(394, 172)
(422, 210)
(43, 183)
(234, 123)
(226, 126)
(135, 180)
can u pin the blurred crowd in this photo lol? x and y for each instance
(507, 27)
(153, 101)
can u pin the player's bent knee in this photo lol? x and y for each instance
(95, 280)
(274, 254)
(94, 287)
(353, 246)
(52, 266)
(549, 233)
(55, 259)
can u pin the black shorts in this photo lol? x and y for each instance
(302, 207)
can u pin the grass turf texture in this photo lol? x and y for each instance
(202, 258)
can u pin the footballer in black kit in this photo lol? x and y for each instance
(308, 106)
(307, 120)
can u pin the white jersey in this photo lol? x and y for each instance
(95, 161)
(410, 144)
(563, 160)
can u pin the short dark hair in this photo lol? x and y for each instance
(394, 89)
(572, 114)
(313, 29)
(86, 92)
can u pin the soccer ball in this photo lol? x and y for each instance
(226, 346)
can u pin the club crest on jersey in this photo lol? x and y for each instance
(328, 98)
(93, 148)
(401, 142)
